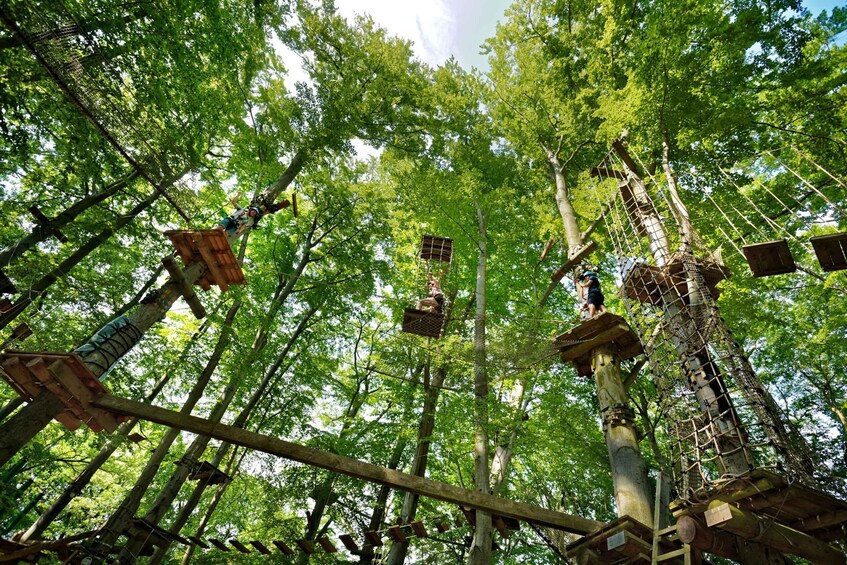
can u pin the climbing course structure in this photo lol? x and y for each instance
(428, 317)
(737, 467)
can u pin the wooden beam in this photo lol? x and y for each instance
(771, 533)
(185, 289)
(351, 467)
(602, 338)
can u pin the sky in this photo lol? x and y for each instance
(439, 28)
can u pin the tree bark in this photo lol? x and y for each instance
(481, 546)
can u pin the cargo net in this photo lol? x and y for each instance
(721, 422)
(76, 59)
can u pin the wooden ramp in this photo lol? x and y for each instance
(65, 376)
(420, 322)
(769, 258)
(793, 518)
(624, 540)
(577, 344)
(212, 248)
(434, 248)
(831, 251)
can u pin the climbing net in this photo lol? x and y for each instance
(78, 61)
(721, 421)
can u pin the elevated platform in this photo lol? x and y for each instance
(434, 248)
(799, 520)
(65, 376)
(212, 248)
(769, 258)
(152, 535)
(647, 283)
(577, 344)
(831, 251)
(624, 540)
(420, 322)
(208, 474)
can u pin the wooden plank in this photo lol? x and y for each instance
(831, 251)
(306, 546)
(283, 547)
(373, 538)
(239, 546)
(769, 258)
(351, 467)
(419, 529)
(327, 545)
(260, 547)
(219, 544)
(576, 351)
(198, 542)
(39, 369)
(68, 420)
(349, 543)
(396, 533)
(70, 381)
(211, 263)
(20, 378)
(573, 261)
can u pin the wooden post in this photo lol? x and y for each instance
(629, 474)
(187, 291)
(351, 467)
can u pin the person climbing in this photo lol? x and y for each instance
(248, 217)
(590, 291)
(435, 301)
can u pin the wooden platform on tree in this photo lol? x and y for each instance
(769, 258)
(577, 344)
(65, 376)
(208, 474)
(624, 540)
(647, 283)
(212, 248)
(434, 248)
(831, 251)
(6, 284)
(420, 322)
(770, 496)
(152, 535)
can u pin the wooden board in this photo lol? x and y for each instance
(209, 474)
(239, 546)
(434, 248)
(577, 344)
(327, 544)
(219, 544)
(213, 249)
(419, 322)
(769, 258)
(419, 529)
(198, 542)
(768, 495)
(396, 533)
(573, 261)
(305, 545)
(831, 251)
(373, 538)
(260, 547)
(349, 543)
(283, 547)
(6, 285)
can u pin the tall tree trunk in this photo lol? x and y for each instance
(119, 520)
(481, 546)
(23, 426)
(41, 232)
(40, 287)
(240, 421)
(378, 514)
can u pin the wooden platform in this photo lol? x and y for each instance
(152, 535)
(831, 251)
(577, 344)
(793, 518)
(6, 284)
(624, 540)
(434, 248)
(65, 376)
(769, 258)
(419, 322)
(208, 474)
(212, 248)
(647, 283)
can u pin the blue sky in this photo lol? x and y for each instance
(440, 28)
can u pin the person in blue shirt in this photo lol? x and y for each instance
(590, 291)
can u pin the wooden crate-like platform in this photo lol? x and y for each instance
(770, 496)
(647, 283)
(769, 258)
(624, 540)
(209, 474)
(212, 248)
(434, 248)
(577, 344)
(419, 322)
(831, 251)
(65, 376)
